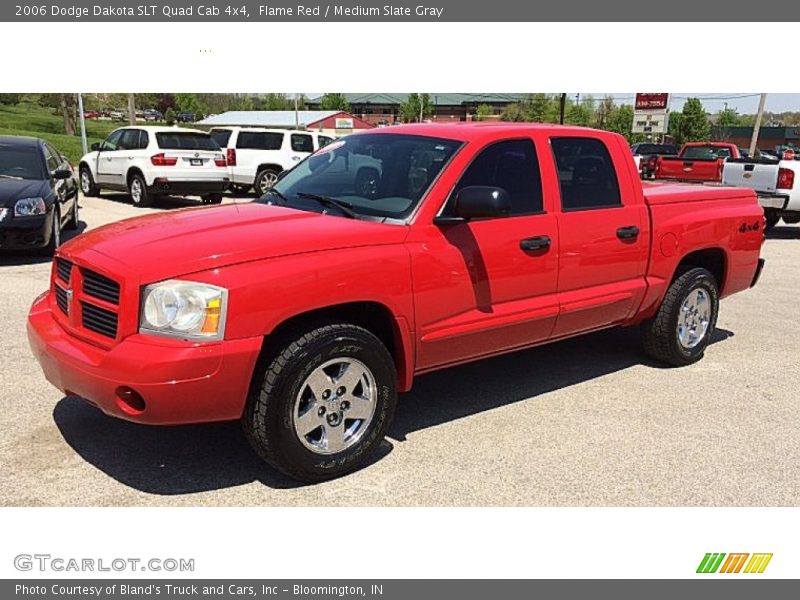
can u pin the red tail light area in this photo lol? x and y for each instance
(220, 161)
(231, 156)
(785, 179)
(159, 160)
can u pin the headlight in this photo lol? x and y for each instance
(27, 207)
(184, 309)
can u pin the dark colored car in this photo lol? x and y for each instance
(38, 194)
(151, 114)
(650, 153)
(185, 117)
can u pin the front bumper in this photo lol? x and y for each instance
(163, 185)
(26, 232)
(179, 382)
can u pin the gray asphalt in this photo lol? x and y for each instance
(587, 422)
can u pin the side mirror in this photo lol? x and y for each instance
(96, 147)
(480, 202)
(62, 174)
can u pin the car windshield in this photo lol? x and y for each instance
(706, 152)
(21, 162)
(376, 175)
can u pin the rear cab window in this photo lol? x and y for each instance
(302, 142)
(185, 140)
(587, 177)
(259, 140)
(221, 136)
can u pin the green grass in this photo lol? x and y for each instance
(35, 121)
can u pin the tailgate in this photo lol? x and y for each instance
(692, 169)
(759, 177)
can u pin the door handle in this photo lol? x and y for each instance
(628, 233)
(534, 244)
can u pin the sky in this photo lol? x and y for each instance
(744, 103)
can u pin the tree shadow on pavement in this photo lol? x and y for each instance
(197, 458)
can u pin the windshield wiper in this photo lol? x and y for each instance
(283, 199)
(344, 207)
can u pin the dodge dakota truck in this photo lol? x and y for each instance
(774, 182)
(304, 313)
(696, 162)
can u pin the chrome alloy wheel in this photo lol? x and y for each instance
(694, 318)
(335, 406)
(86, 183)
(136, 190)
(266, 181)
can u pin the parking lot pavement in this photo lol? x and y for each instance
(583, 422)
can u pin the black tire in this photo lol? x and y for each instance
(269, 421)
(772, 216)
(212, 199)
(87, 184)
(55, 233)
(660, 334)
(793, 220)
(137, 188)
(265, 179)
(74, 216)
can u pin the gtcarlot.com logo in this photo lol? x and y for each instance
(47, 562)
(734, 563)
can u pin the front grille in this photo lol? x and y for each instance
(63, 269)
(99, 286)
(99, 320)
(61, 300)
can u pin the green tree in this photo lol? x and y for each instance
(483, 112)
(169, 116)
(728, 117)
(334, 101)
(277, 102)
(415, 105)
(9, 99)
(694, 125)
(580, 114)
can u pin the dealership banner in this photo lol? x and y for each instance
(399, 10)
(397, 589)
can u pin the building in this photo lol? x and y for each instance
(384, 109)
(330, 122)
(769, 138)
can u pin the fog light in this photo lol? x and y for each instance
(130, 400)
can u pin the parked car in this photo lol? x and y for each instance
(118, 115)
(148, 162)
(151, 114)
(256, 156)
(91, 114)
(38, 194)
(304, 312)
(646, 154)
(696, 162)
(185, 117)
(773, 181)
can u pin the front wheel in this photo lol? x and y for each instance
(88, 186)
(681, 330)
(74, 216)
(55, 233)
(323, 402)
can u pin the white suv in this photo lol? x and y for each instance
(257, 156)
(151, 161)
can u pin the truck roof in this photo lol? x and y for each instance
(466, 131)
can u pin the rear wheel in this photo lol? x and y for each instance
(793, 220)
(138, 190)
(265, 179)
(681, 330)
(323, 403)
(772, 216)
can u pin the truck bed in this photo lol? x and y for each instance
(657, 193)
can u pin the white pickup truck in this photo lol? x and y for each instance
(774, 182)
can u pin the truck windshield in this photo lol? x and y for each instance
(711, 152)
(377, 175)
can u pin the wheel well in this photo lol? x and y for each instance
(711, 259)
(277, 168)
(131, 172)
(372, 316)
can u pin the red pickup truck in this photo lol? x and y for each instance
(696, 162)
(386, 254)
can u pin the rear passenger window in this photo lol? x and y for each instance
(221, 136)
(302, 142)
(144, 139)
(323, 140)
(586, 174)
(259, 140)
(511, 165)
(129, 140)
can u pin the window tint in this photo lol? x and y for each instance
(586, 174)
(302, 142)
(511, 165)
(112, 140)
(52, 158)
(186, 141)
(706, 152)
(324, 140)
(23, 162)
(259, 140)
(144, 139)
(221, 136)
(129, 140)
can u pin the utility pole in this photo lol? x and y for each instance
(296, 114)
(757, 126)
(82, 118)
(421, 107)
(131, 110)
(561, 108)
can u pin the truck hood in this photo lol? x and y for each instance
(176, 243)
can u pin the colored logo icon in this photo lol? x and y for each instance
(734, 563)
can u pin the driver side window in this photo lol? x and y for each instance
(112, 141)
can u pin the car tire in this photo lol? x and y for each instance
(265, 179)
(772, 217)
(55, 233)
(137, 188)
(682, 328)
(299, 425)
(74, 216)
(87, 184)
